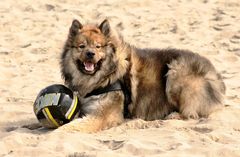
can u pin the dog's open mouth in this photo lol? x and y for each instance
(88, 67)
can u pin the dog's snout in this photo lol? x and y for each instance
(90, 54)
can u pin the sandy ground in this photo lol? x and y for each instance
(32, 34)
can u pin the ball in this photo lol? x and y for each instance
(56, 105)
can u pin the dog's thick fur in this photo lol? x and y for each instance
(160, 80)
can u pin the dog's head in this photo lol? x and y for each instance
(89, 45)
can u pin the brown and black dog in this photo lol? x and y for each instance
(157, 81)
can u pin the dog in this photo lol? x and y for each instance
(154, 82)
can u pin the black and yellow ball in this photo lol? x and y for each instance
(55, 105)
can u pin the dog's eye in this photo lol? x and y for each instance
(82, 46)
(98, 46)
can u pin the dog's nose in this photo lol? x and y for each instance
(90, 54)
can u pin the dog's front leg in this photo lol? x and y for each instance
(102, 112)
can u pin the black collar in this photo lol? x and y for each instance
(112, 87)
(116, 86)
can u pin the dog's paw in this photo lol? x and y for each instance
(85, 125)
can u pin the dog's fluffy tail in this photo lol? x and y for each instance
(194, 86)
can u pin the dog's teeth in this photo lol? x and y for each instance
(88, 66)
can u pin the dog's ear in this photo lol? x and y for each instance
(76, 25)
(105, 27)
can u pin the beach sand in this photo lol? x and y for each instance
(32, 34)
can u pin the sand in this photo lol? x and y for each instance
(32, 34)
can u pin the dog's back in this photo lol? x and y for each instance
(170, 79)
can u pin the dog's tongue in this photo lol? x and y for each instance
(88, 66)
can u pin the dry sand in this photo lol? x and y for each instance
(32, 34)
